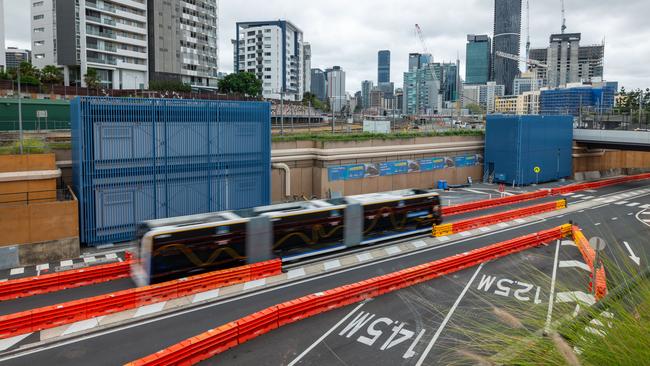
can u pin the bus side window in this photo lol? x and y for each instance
(223, 230)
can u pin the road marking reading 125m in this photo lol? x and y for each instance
(506, 288)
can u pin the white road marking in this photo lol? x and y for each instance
(67, 263)
(569, 243)
(465, 234)
(621, 203)
(208, 295)
(601, 199)
(614, 218)
(332, 264)
(254, 284)
(446, 320)
(645, 207)
(474, 191)
(485, 229)
(17, 271)
(82, 325)
(502, 224)
(575, 264)
(150, 309)
(393, 250)
(590, 191)
(587, 197)
(578, 195)
(443, 238)
(576, 296)
(633, 204)
(549, 313)
(419, 244)
(597, 224)
(112, 256)
(364, 257)
(10, 342)
(89, 260)
(520, 221)
(568, 194)
(305, 352)
(299, 272)
(610, 201)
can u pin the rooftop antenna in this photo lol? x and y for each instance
(563, 18)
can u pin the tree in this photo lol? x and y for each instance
(169, 85)
(475, 108)
(91, 78)
(245, 83)
(51, 75)
(315, 102)
(29, 75)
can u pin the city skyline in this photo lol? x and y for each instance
(445, 36)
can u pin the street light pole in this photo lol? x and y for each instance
(282, 112)
(20, 113)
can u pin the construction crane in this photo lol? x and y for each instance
(420, 34)
(563, 18)
(519, 59)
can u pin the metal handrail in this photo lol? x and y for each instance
(56, 195)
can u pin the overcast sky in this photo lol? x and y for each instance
(350, 32)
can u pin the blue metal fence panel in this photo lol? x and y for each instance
(141, 159)
(516, 145)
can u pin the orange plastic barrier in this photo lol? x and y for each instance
(590, 258)
(208, 344)
(474, 223)
(73, 311)
(30, 286)
(484, 204)
(599, 184)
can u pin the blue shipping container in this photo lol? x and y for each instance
(141, 159)
(516, 145)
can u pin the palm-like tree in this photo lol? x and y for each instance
(91, 78)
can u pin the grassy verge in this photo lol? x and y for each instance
(372, 136)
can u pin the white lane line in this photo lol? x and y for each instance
(621, 203)
(576, 296)
(597, 224)
(474, 191)
(419, 244)
(568, 194)
(633, 204)
(393, 250)
(364, 257)
(587, 197)
(590, 191)
(465, 234)
(610, 201)
(549, 313)
(298, 272)
(82, 325)
(208, 295)
(575, 264)
(67, 263)
(443, 238)
(449, 315)
(150, 309)
(319, 340)
(112, 256)
(17, 271)
(10, 342)
(254, 284)
(88, 260)
(332, 264)
(601, 199)
(520, 221)
(614, 218)
(502, 224)
(645, 207)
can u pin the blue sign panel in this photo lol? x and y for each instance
(337, 173)
(356, 172)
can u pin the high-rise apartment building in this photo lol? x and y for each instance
(15, 56)
(366, 88)
(182, 41)
(418, 60)
(336, 88)
(43, 30)
(306, 67)
(478, 55)
(421, 91)
(319, 84)
(3, 60)
(447, 73)
(109, 36)
(568, 62)
(383, 67)
(507, 35)
(273, 51)
(483, 95)
(526, 83)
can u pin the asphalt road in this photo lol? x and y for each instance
(119, 345)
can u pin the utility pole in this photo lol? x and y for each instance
(20, 113)
(640, 106)
(282, 112)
